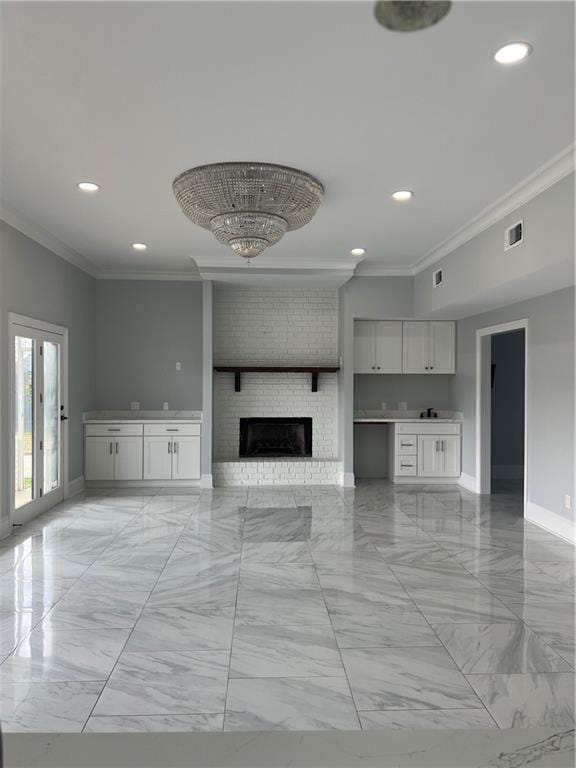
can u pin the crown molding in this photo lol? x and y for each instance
(390, 271)
(40, 235)
(233, 263)
(164, 276)
(539, 181)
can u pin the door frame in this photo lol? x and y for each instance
(484, 402)
(14, 320)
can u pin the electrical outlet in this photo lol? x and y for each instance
(402, 405)
(134, 405)
(178, 366)
(384, 406)
(164, 406)
(568, 501)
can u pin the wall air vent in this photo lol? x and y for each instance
(437, 278)
(514, 235)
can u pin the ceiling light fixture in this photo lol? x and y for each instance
(248, 206)
(403, 195)
(139, 246)
(512, 53)
(88, 186)
(358, 251)
(410, 15)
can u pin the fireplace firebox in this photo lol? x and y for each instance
(275, 436)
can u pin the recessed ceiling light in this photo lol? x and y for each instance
(88, 186)
(512, 53)
(402, 195)
(358, 251)
(139, 246)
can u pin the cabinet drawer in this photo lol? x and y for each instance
(111, 430)
(406, 445)
(172, 429)
(428, 428)
(405, 465)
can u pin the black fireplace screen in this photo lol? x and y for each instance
(277, 436)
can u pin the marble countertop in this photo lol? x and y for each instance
(405, 417)
(141, 417)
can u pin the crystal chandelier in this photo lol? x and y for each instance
(410, 15)
(248, 206)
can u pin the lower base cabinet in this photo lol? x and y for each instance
(439, 456)
(172, 458)
(119, 458)
(424, 451)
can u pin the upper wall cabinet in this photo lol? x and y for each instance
(378, 346)
(428, 347)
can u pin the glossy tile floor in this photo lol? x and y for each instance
(306, 609)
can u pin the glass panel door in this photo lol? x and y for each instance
(24, 420)
(51, 447)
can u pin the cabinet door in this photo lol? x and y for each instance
(186, 458)
(442, 346)
(364, 347)
(99, 458)
(450, 456)
(430, 458)
(414, 347)
(388, 346)
(128, 458)
(158, 458)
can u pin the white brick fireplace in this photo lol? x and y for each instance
(268, 327)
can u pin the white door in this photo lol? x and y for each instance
(442, 346)
(388, 346)
(128, 458)
(99, 458)
(364, 357)
(430, 458)
(158, 458)
(451, 456)
(38, 414)
(415, 347)
(186, 458)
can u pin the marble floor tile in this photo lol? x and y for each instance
(460, 605)
(285, 651)
(530, 587)
(155, 724)
(64, 656)
(46, 707)
(276, 552)
(278, 576)
(357, 626)
(342, 589)
(558, 571)
(498, 648)
(78, 610)
(15, 626)
(408, 551)
(166, 683)
(182, 628)
(298, 704)
(554, 622)
(412, 678)
(426, 718)
(208, 590)
(527, 701)
(107, 578)
(434, 575)
(281, 607)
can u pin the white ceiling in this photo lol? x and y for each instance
(129, 94)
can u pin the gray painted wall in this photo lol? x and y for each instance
(143, 327)
(551, 393)
(370, 298)
(480, 275)
(507, 423)
(37, 283)
(420, 391)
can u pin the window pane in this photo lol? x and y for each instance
(24, 367)
(51, 416)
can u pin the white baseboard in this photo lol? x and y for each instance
(508, 471)
(468, 482)
(347, 480)
(419, 480)
(206, 481)
(74, 486)
(551, 521)
(143, 484)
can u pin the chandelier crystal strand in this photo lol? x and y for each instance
(248, 206)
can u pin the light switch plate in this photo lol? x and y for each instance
(384, 406)
(178, 366)
(568, 501)
(403, 405)
(134, 405)
(164, 406)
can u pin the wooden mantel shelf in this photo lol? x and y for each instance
(238, 370)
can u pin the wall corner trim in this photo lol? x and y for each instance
(537, 182)
(206, 481)
(468, 482)
(551, 521)
(74, 486)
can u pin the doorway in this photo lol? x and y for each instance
(501, 409)
(38, 408)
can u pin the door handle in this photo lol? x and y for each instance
(63, 418)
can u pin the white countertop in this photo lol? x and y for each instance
(141, 417)
(404, 417)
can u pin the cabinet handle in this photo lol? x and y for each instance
(175, 447)
(406, 445)
(406, 466)
(169, 446)
(425, 367)
(113, 429)
(431, 367)
(373, 367)
(378, 367)
(111, 444)
(116, 447)
(172, 430)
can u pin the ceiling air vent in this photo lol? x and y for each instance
(514, 235)
(437, 278)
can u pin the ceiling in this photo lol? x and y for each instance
(129, 94)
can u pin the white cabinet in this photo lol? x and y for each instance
(99, 458)
(378, 346)
(438, 456)
(117, 458)
(158, 458)
(172, 452)
(186, 458)
(428, 347)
